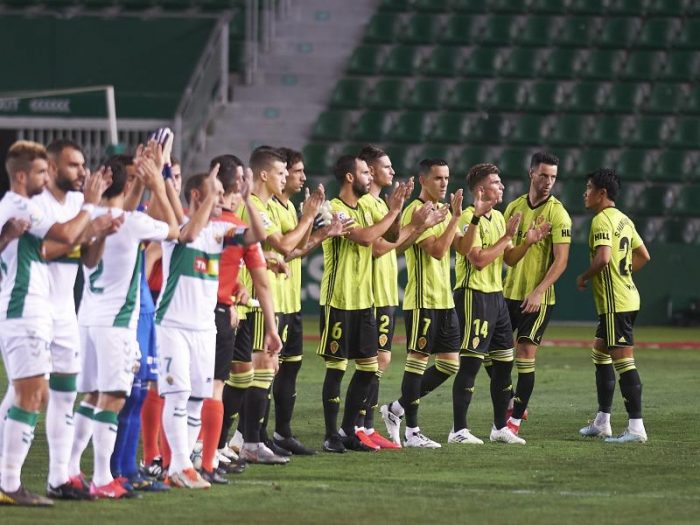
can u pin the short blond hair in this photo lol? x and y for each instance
(21, 155)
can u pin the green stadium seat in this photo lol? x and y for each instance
(383, 28)
(318, 159)
(658, 33)
(546, 96)
(365, 60)
(440, 151)
(687, 201)
(402, 158)
(592, 159)
(625, 98)
(507, 96)
(589, 7)
(572, 196)
(411, 127)
(568, 130)
(690, 34)
(465, 95)
(483, 62)
(619, 32)
(371, 126)
(349, 93)
(387, 94)
(508, 6)
(673, 166)
(420, 29)
(427, 95)
(523, 62)
(498, 30)
(514, 162)
(691, 104)
(401, 61)
(459, 31)
(682, 66)
(606, 131)
(676, 230)
(635, 164)
(331, 125)
(472, 155)
(586, 97)
(648, 131)
(687, 134)
(558, 7)
(486, 128)
(576, 31)
(470, 6)
(561, 63)
(603, 64)
(643, 65)
(627, 7)
(652, 200)
(434, 6)
(537, 31)
(667, 7)
(443, 61)
(665, 98)
(395, 5)
(450, 128)
(351, 148)
(527, 129)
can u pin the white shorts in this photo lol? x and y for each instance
(109, 359)
(186, 361)
(25, 347)
(65, 346)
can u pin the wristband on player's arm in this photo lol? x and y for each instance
(167, 171)
(475, 220)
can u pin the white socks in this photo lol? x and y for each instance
(175, 428)
(59, 434)
(18, 435)
(637, 426)
(103, 439)
(194, 422)
(82, 432)
(7, 402)
(602, 418)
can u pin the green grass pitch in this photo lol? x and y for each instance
(557, 477)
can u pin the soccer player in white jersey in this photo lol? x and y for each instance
(108, 314)
(186, 331)
(25, 310)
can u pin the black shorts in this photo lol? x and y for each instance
(243, 345)
(484, 323)
(432, 331)
(529, 327)
(386, 320)
(348, 334)
(225, 338)
(616, 329)
(291, 332)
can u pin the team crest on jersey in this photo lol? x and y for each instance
(383, 340)
(265, 220)
(475, 342)
(334, 347)
(422, 342)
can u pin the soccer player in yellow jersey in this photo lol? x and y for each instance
(617, 251)
(529, 285)
(384, 276)
(483, 315)
(348, 325)
(269, 168)
(431, 322)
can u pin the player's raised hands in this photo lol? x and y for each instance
(211, 178)
(437, 215)
(339, 226)
(481, 205)
(246, 184)
(104, 225)
(397, 196)
(95, 185)
(513, 224)
(313, 201)
(536, 233)
(456, 203)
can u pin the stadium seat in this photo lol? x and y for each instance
(687, 202)
(470, 6)
(450, 128)
(371, 126)
(514, 162)
(483, 62)
(587, 7)
(473, 155)
(498, 30)
(635, 164)
(387, 94)
(650, 132)
(586, 97)
(571, 195)
(443, 61)
(682, 66)
(508, 6)
(658, 33)
(383, 28)
(537, 31)
(674, 166)
(458, 31)
(522, 62)
(365, 60)
(348, 93)
(666, 98)
(619, 32)
(652, 200)
(402, 159)
(643, 65)
(592, 159)
(441, 151)
(690, 34)
(465, 95)
(691, 104)
(603, 64)
(667, 7)
(687, 133)
(331, 125)
(606, 131)
(437, 6)
(526, 129)
(486, 128)
(420, 29)
(401, 61)
(318, 159)
(625, 97)
(412, 126)
(547, 96)
(577, 31)
(549, 6)
(627, 7)
(506, 96)
(427, 95)
(567, 130)
(675, 230)
(561, 63)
